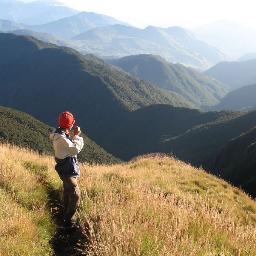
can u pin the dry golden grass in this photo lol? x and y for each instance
(25, 221)
(161, 206)
(153, 205)
(18, 232)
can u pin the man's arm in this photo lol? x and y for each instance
(73, 147)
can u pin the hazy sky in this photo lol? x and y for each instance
(187, 13)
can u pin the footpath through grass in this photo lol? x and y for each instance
(31, 216)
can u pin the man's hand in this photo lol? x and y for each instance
(77, 130)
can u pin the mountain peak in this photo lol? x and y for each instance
(150, 27)
(180, 31)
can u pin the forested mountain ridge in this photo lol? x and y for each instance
(197, 88)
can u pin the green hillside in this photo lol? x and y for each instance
(195, 87)
(201, 144)
(43, 79)
(153, 205)
(132, 93)
(240, 99)
(21, 129)
(234, 74)
(236, 162)
(189, 134)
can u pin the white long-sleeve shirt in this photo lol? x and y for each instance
(64, 147)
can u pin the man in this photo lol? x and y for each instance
(66, 149)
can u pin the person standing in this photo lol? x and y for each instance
(66, 149)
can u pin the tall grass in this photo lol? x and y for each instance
(161, 206)
(26, 226)
(153, 205)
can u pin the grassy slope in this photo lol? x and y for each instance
(22, 129)
(195, 87)
(153, 205)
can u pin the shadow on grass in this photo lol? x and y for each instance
(65, 242)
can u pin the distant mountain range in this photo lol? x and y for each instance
(35, 12)
(234, 74)
(233, 39)
(240, 99)
(174, 44)
(7, 25)
(43, 79)
(48, 38)
(105, 36)
(93, 33)
(64, 28)
(197, 88)
(22, 29)
(69, 27)
(23, 130)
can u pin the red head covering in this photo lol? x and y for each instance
(66, 120)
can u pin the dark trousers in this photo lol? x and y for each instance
(71, 197)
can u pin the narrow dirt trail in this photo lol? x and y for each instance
(65, 242)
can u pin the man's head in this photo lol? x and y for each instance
(66, 120)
